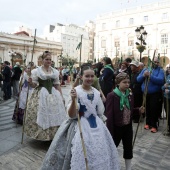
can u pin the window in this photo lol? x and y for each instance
(145, 18)
(118, 23)
(164, 16)
(164, 39)
(131, 21)
(103, 44)
(104, 26)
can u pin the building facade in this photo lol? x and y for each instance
(90, 28)
(115, 31)
(69, 36)
(18, 48)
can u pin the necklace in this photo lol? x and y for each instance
(47, 69)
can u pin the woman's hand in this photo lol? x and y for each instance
(142, 109)
(73, 94)
(166, 91)
(166, 85)
(30, 80)
(103, 99)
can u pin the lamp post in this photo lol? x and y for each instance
(141, 35)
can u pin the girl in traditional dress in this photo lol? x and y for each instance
(21, 101)
(45, 108)
(119, 109)
(66, 150)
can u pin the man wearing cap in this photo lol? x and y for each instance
(135, 86)
(15, 79)
(156, 81)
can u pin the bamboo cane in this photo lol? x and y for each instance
(164, 79)
(82, 141)
(81, 136)
(144, 100)
(167, 117)
(23, 128)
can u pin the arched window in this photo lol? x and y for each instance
(17, 58)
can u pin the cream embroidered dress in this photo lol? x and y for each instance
(45, 108)
(100, 148)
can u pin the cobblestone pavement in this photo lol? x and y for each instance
(151, 151)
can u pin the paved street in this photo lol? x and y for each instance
(151, 151)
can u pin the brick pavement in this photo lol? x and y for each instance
(151, 151)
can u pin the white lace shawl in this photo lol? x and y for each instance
(51, 109)
(38, 72)
(23, 93)
(91, 107)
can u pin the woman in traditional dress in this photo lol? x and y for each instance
(66, 150)
(45, 108)
(21, 101)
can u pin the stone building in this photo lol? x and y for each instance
(115, 31)
(69, 36)
(18, 47)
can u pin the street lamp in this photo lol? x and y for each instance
(141, 35)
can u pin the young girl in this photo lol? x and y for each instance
(66, 150)
(119, 109)
(21, 101)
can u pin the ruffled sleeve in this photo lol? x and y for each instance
(34, 76)
(56, 80)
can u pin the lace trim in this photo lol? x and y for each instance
(42, 75)
(100, 148)
(90, 105)
(51, 110)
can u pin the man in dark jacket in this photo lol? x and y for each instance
(156, 81)
(15, 79)
(6, 81)
(135, 86)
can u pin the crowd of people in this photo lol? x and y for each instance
(104, 102)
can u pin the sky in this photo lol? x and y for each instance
(35, 14)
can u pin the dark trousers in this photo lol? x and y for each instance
(167, 112)
(160, 105)
(7, 90)
(138, 98)
(124, 133)
(152, 109)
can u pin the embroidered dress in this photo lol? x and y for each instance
(19, 113)
(45, 108)
(66, 151)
